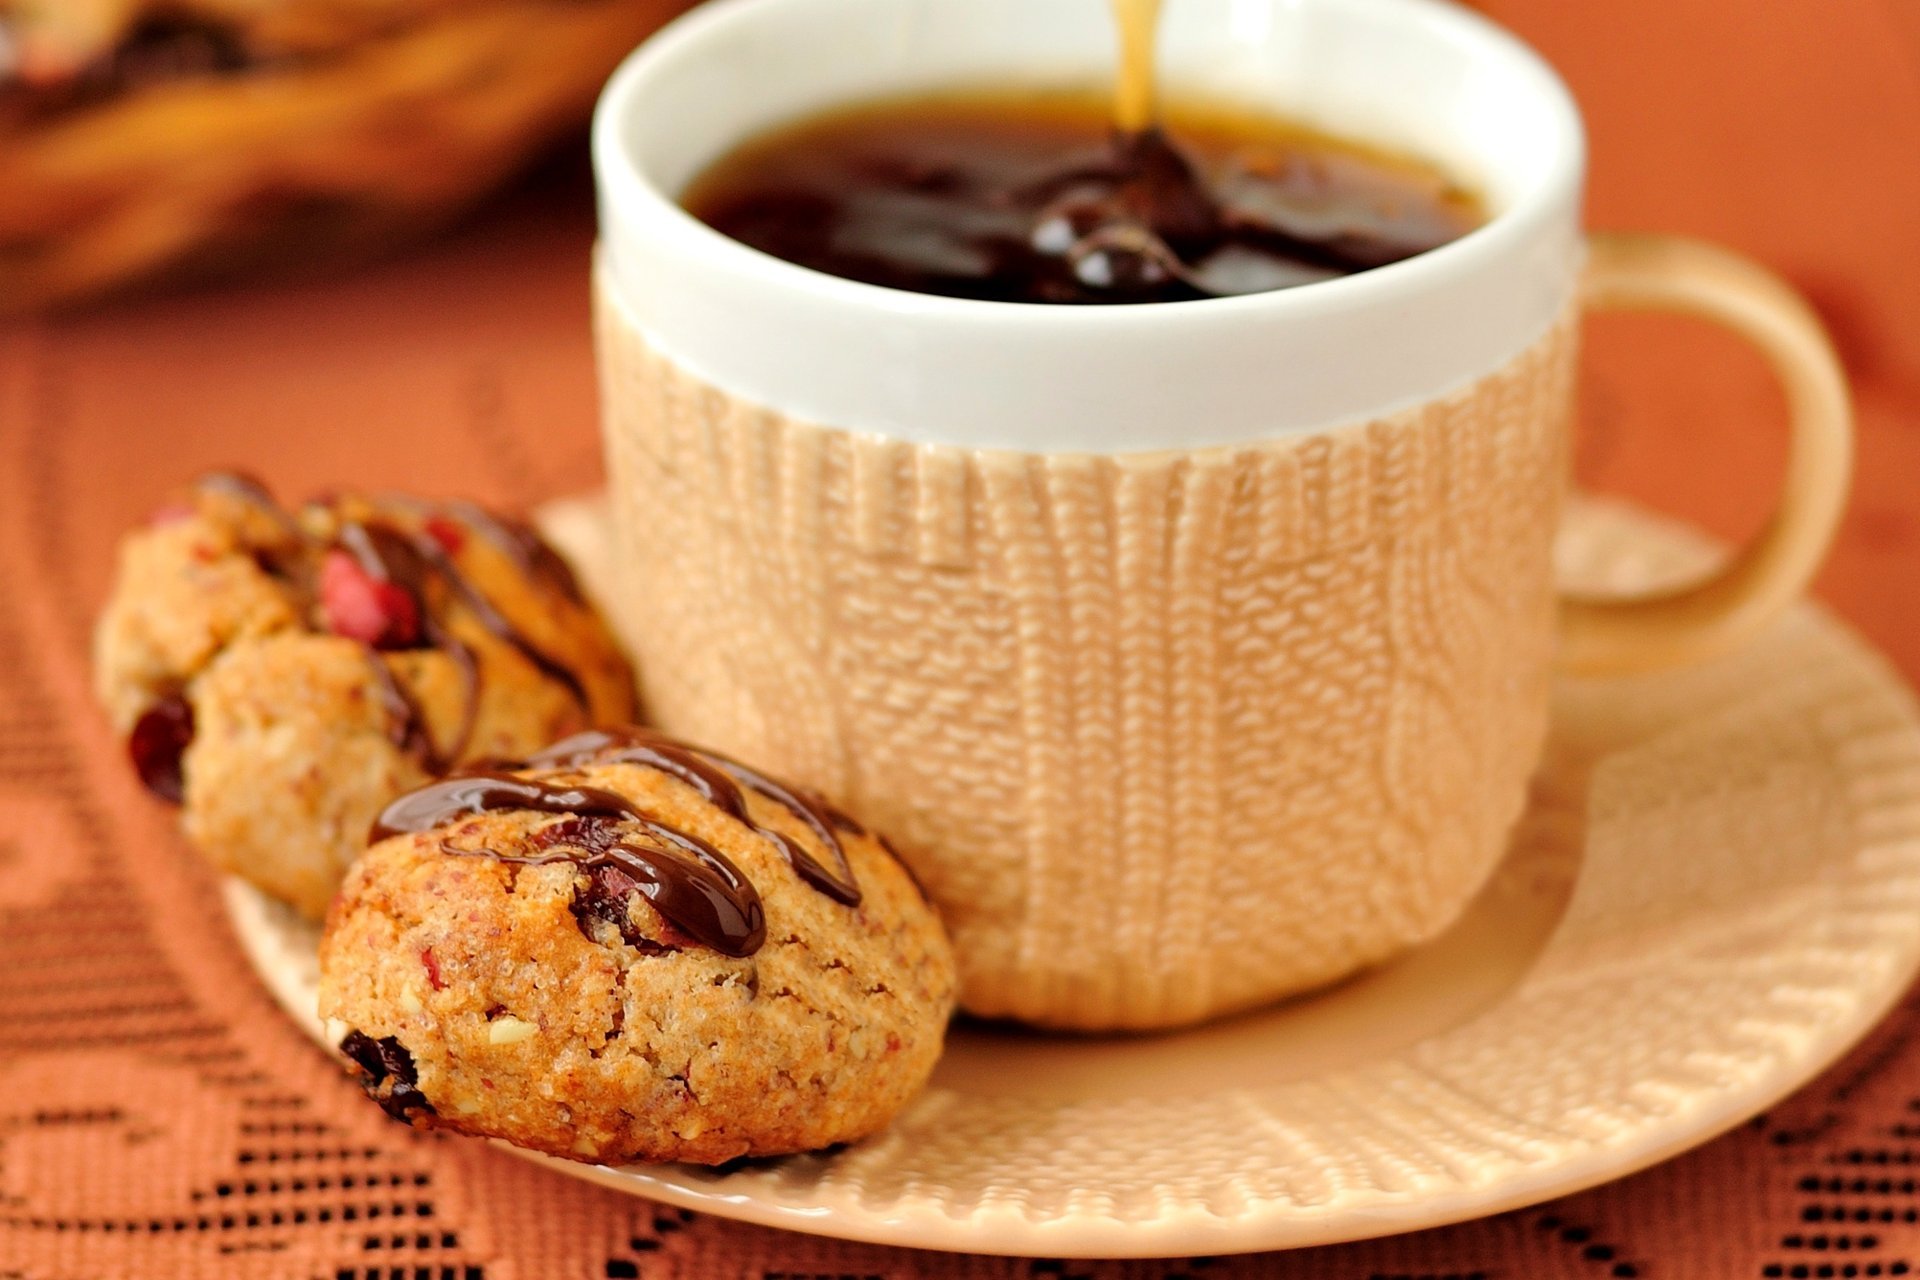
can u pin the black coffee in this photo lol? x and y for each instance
(1025, 199)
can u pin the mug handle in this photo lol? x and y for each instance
(1665, 628)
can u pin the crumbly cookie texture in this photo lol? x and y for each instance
(525, 1001)
(273, 682)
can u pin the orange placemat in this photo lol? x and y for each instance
(159, 1119)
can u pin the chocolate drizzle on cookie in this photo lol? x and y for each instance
(403, 577)
(390, 557)
(249, 488)
(424, 571)
(415, 561)
(693, 886)
(438, 561)
(518, 541)
(719, 779)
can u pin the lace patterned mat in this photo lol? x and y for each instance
(1715, 891)
(160, 1118)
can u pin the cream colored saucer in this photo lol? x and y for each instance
(1716, 892)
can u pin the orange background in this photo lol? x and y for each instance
(1788, 129)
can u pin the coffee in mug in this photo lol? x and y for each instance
(1042, 198)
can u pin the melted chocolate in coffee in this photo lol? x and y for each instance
(1017, 199)
(693, 886)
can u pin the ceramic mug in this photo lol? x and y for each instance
(1196, 653)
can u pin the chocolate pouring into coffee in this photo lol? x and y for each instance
(1072, 199)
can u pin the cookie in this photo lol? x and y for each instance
(633, 950)
(283, 675)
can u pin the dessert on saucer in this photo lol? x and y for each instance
(1201, 656)
(1715, 891)
(593, 942)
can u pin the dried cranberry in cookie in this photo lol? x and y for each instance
(283, 674)
(632, 949)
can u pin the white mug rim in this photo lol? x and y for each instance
(636, 209)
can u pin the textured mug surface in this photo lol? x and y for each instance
(1164, 734)
(1194, 654)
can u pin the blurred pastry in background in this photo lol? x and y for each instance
(145, 139)
(282, 675)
